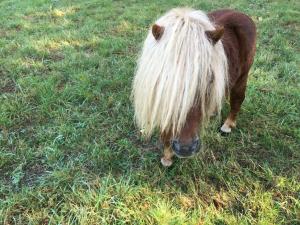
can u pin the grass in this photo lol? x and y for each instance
(71, 154)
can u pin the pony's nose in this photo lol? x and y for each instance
(186, 150)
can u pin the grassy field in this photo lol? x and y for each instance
(71, 154)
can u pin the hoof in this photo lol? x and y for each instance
(225, 129)
(166, 162)
(223, 134)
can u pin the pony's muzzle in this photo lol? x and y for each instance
(185, 150)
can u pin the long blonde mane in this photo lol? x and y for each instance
(181, 69)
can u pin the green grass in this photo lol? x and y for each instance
(71, 154)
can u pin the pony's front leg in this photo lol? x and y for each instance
(237, 96)
(166, 160)
(229, 123)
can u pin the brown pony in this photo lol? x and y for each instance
(190, 61)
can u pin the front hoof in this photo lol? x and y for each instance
(166, 162)
(225, 129)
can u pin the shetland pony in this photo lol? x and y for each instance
(189, 62)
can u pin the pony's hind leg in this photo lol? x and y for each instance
(237, 96)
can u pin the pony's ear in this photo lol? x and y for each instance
(157, 31)
(215, 35)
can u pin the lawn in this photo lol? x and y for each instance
(70, 152)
